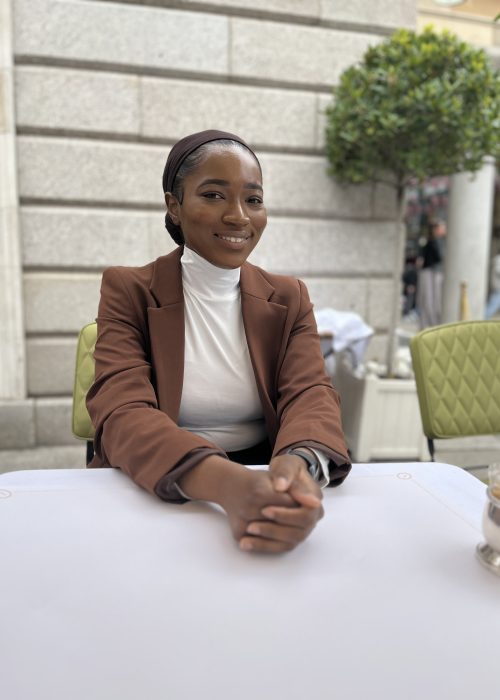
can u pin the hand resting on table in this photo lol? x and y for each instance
(268, 511)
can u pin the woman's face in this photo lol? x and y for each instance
(222, 214)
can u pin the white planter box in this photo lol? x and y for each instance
(381, 417)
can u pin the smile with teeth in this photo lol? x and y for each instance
(232, 239)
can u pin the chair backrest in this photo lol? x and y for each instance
(457, 373)
(84, 378)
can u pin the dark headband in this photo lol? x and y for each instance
(187, 145)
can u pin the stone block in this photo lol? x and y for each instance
(53, 421)
(384, 201)
(89, 171)
(51, 365)
(53, 457)
(78, 170)
(291, 53)
(341, 294)
(323, 101)
(173, 108)
(94, 238)
(161, 242)
(324, 247)
(122, 34)
(376, 13)
(58, 98)
(292, 8)
(299, 184)
(380, 303)
(60, 302)
(17, 424)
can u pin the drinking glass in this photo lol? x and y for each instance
(488, 552)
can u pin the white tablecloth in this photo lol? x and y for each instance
(106, 593)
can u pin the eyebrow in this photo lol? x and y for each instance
(226, 183)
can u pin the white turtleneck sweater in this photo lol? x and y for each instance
(220, 401)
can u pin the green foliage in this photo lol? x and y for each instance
(418, 105)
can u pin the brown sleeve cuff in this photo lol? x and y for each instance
(339, 465)
(166, 487)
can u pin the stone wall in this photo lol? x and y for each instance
(102, 90)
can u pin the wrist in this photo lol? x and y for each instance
(211, 479)
(310, 460)
(232, 482)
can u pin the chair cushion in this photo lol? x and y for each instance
(84, 378)
(457, 372)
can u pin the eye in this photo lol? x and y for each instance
(212, 195)
(255, 199)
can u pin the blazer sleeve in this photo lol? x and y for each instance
(308, 407)
(131, 432)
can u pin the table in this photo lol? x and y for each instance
(106, 593)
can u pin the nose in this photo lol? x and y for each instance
(235, 214)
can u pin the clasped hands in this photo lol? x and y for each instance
(268, 510)
(275, 510)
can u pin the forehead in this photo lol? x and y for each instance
(229, 164)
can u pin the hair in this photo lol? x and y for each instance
(189, 165)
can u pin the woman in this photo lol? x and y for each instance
(205, 363)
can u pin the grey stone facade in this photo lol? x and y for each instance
(100, 91)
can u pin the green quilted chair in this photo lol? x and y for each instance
(457, 372)
(84, 378)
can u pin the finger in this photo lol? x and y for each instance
(273, 531)
(260, 492)
(292, 516)
(258, 544)
(280, 499)
(305, 490)
(305, 494)
(263, 494)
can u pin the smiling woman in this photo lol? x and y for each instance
(206, 364)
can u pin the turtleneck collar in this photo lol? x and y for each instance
(208, 280)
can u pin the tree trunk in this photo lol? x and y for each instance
(397, 279)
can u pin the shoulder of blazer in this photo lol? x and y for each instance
(281, 289)
(159, 282)
(136, 276)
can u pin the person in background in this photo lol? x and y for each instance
(493, 304)
(430, 276)
(206, 364)
(409, 278)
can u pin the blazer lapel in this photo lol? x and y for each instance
(166, 330)
(264, 323)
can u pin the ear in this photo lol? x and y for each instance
(172, 206)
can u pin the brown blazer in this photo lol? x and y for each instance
(139, 355)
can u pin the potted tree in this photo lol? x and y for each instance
(418, 105)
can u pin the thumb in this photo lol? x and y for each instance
(283, 470)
